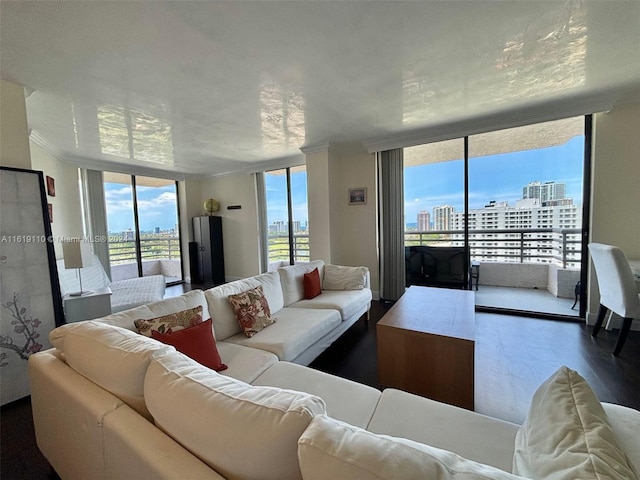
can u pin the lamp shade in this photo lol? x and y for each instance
(76, 254)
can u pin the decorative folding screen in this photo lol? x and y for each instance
(30, 302)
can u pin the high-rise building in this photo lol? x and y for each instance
(442, 217)
(424, 221)
(545, 192)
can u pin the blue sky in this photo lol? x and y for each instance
(494, 177)
(156, 207)
(277, 197)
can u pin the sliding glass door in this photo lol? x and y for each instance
(143, 219)
(525, 191)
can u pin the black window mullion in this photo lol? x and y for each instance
(136, 225)
(466, 211)
(292, 259)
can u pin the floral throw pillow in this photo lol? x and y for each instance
(170, 323)
(251, 310)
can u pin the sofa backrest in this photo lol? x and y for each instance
(93, 277)
(292, 279)
(188, 300)
(239, 430)
(114, 358)
(224, 320)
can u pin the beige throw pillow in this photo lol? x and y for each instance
(566, 435)
(170, 323)
(339, 277)
(251, 310)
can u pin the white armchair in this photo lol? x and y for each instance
(617, 289)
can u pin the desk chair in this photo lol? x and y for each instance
(617, 289)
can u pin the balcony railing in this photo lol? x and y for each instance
(541, 245)
(151, 248)
(558, 246)
(279, 248)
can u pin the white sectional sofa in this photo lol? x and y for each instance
(110, 403)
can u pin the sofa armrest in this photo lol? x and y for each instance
(68, 412)
(135, 448)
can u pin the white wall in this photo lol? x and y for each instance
(615, 186)
(319, 205)
(239, 227)
(67, 215)
(354, 239)
(14, 134)
(189, 193)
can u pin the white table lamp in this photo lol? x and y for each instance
(77, 254)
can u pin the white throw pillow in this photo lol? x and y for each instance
(566, 435)
(338, 277)
(240, 430)
(332, 449)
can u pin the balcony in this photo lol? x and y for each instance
(522, 269)
(160, 256)
(279, 249)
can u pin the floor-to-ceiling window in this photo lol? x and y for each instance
(287, 216)
(142, 220)
(520, 213)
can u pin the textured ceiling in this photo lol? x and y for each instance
(217, 87)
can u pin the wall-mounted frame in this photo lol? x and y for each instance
(51, 186)
(358, 196)
(30, 300)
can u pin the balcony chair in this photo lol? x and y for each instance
(617, 286)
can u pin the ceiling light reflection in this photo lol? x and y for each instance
(281, 114)
(134, 135)
(549, 55)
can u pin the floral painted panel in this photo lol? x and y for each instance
(27, 311)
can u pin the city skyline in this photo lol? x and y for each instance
(493, 178)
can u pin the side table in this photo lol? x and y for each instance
(88, 306)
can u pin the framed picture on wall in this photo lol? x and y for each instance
(30, 300)
(51, 186)
(357, 196)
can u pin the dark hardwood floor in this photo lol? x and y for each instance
(513, 356)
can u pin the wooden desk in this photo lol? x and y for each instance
(426, 345)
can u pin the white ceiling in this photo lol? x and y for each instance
(216, 87)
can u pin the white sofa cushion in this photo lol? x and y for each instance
(340, 277)
(225, 323)
(625, 422)
(295, 331)
(338, 393)
(160, 308)
(440, 425)
(239, 430)
(348, 303)
(244, 363)
(566, 434)
(332, 449)
(112, 357)
(292, 279)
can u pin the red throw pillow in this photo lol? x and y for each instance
(196, 342)
(312, 286)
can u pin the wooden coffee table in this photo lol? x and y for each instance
(426, 344)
